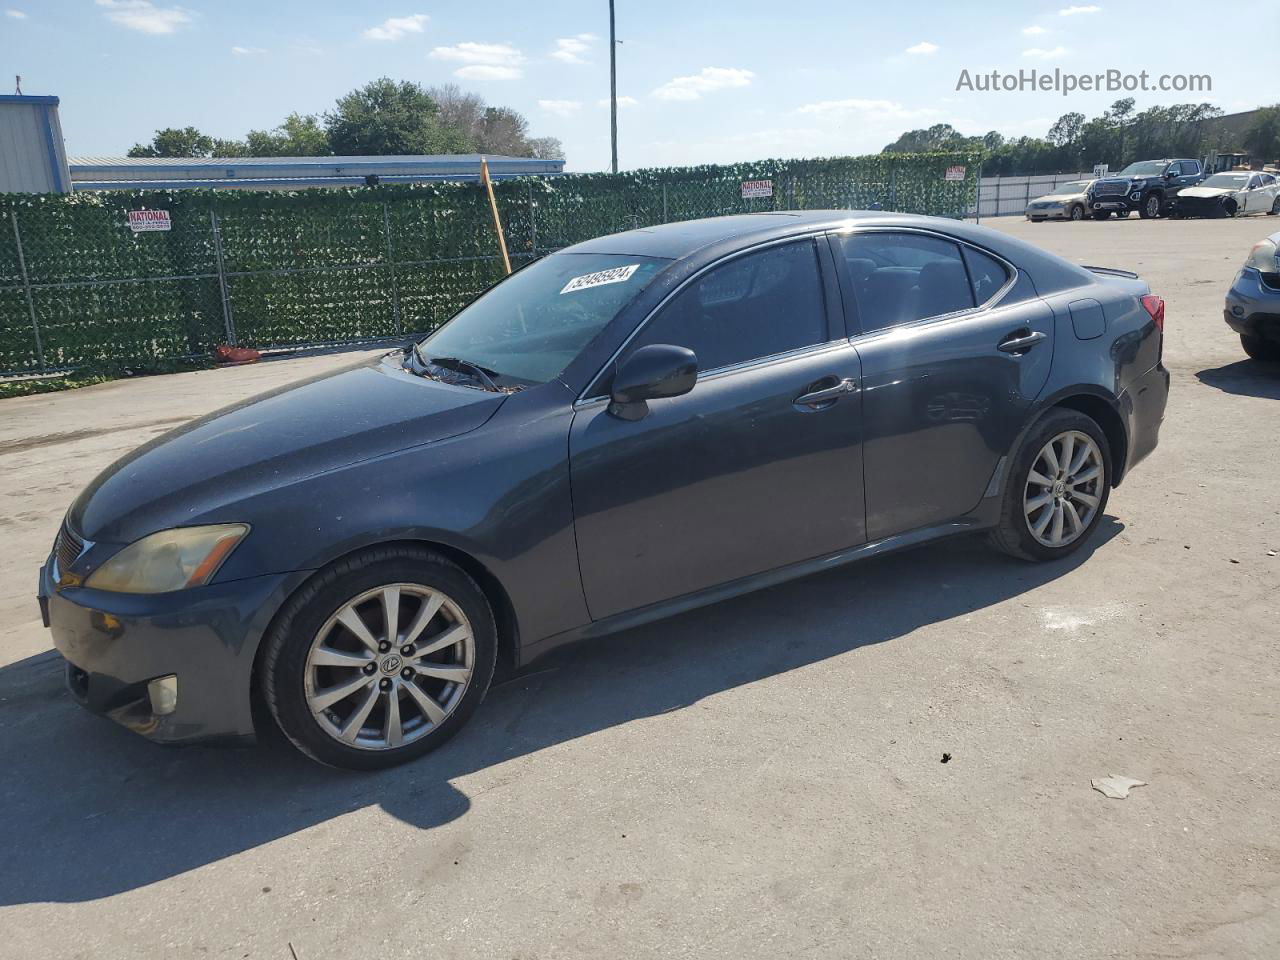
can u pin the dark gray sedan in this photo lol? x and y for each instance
(629, 428)
(1253, 302)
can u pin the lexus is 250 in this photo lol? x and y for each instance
(631, 427)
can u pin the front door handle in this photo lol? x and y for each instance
(827, 395)
(1019, 342)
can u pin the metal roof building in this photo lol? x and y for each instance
(291, 173)
(32, 156)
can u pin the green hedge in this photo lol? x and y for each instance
(326, 266)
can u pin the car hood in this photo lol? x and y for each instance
(1207, 193)
(1057, 197)
(308, 428)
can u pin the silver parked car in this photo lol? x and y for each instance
(1068, 201)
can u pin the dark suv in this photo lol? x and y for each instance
(1148, 186)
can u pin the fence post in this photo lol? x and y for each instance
(391, 261)
(665, 217)
(227, 319)
(533, 222)
(26, 287)
(977, 196)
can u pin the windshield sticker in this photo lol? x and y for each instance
(600, 278)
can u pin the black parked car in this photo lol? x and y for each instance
(1148, 186)
(629, 428)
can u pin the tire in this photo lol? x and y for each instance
(1014, 534)
(315, 618)
(1101, 214)
(1259, 349)
(1077, 212)
(1275, 208)
(1123, 214)
(1150, 208)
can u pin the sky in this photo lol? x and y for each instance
(698, 82)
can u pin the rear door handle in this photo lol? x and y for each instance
(827, 394)
(1019, 342)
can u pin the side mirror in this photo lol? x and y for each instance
(651, 373)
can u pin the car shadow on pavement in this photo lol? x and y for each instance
(90, 810)
(1248, 378)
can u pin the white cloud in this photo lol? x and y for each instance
(571, 49)
(924, 47)
(485, 71)
(393, 28)
(622, 102)
(1035, 30)
(706, 80)
(15, 14)
(248, 51)
(1076, 11)
(877, 109)
(144, 16)
(561, 108)
(1039, 53)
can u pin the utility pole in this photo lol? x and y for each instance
(613, 88)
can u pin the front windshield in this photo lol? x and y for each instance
(1232, 180)
(1144, 168)
(530, 326)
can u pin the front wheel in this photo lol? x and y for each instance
(1077, 212)
(1259, 349)
(1150, 208)
(379, 658)
(1275, 208)
(1058, 486)
(1101, 214)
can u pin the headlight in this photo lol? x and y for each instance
(1264, 257)
(169, 560)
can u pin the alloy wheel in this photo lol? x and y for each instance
(1153, 206)
(1063, 489)
(389, 666)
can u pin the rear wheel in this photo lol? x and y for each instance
(1150, 208)
(1058, 487)
(1260, 349)
(1275, 208)
(380, 658)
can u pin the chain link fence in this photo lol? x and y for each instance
(80, 291)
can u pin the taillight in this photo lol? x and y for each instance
(1155, 306)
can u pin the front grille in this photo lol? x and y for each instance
(67, 548)
(1113, 188)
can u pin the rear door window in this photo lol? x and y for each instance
(753, 306)
(987, 275)
(899, 278)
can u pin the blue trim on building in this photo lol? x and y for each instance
(23, 98)
(280, 183)
(61, 178)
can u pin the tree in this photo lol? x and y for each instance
(546, 148)
(297, 136)
(1066, 129)
(993, 140)
(503, 131)
(1262, 139)
(230, 148)
(941, 136)
(172, 142)
(387, 118)
(460, 112)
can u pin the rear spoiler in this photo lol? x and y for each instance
(1112, 272)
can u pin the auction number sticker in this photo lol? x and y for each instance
(601, 277)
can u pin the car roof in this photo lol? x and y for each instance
(675, 241)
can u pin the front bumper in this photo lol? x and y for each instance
(1253, 307)
(207, 637)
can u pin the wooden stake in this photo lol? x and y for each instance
(493, 207)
